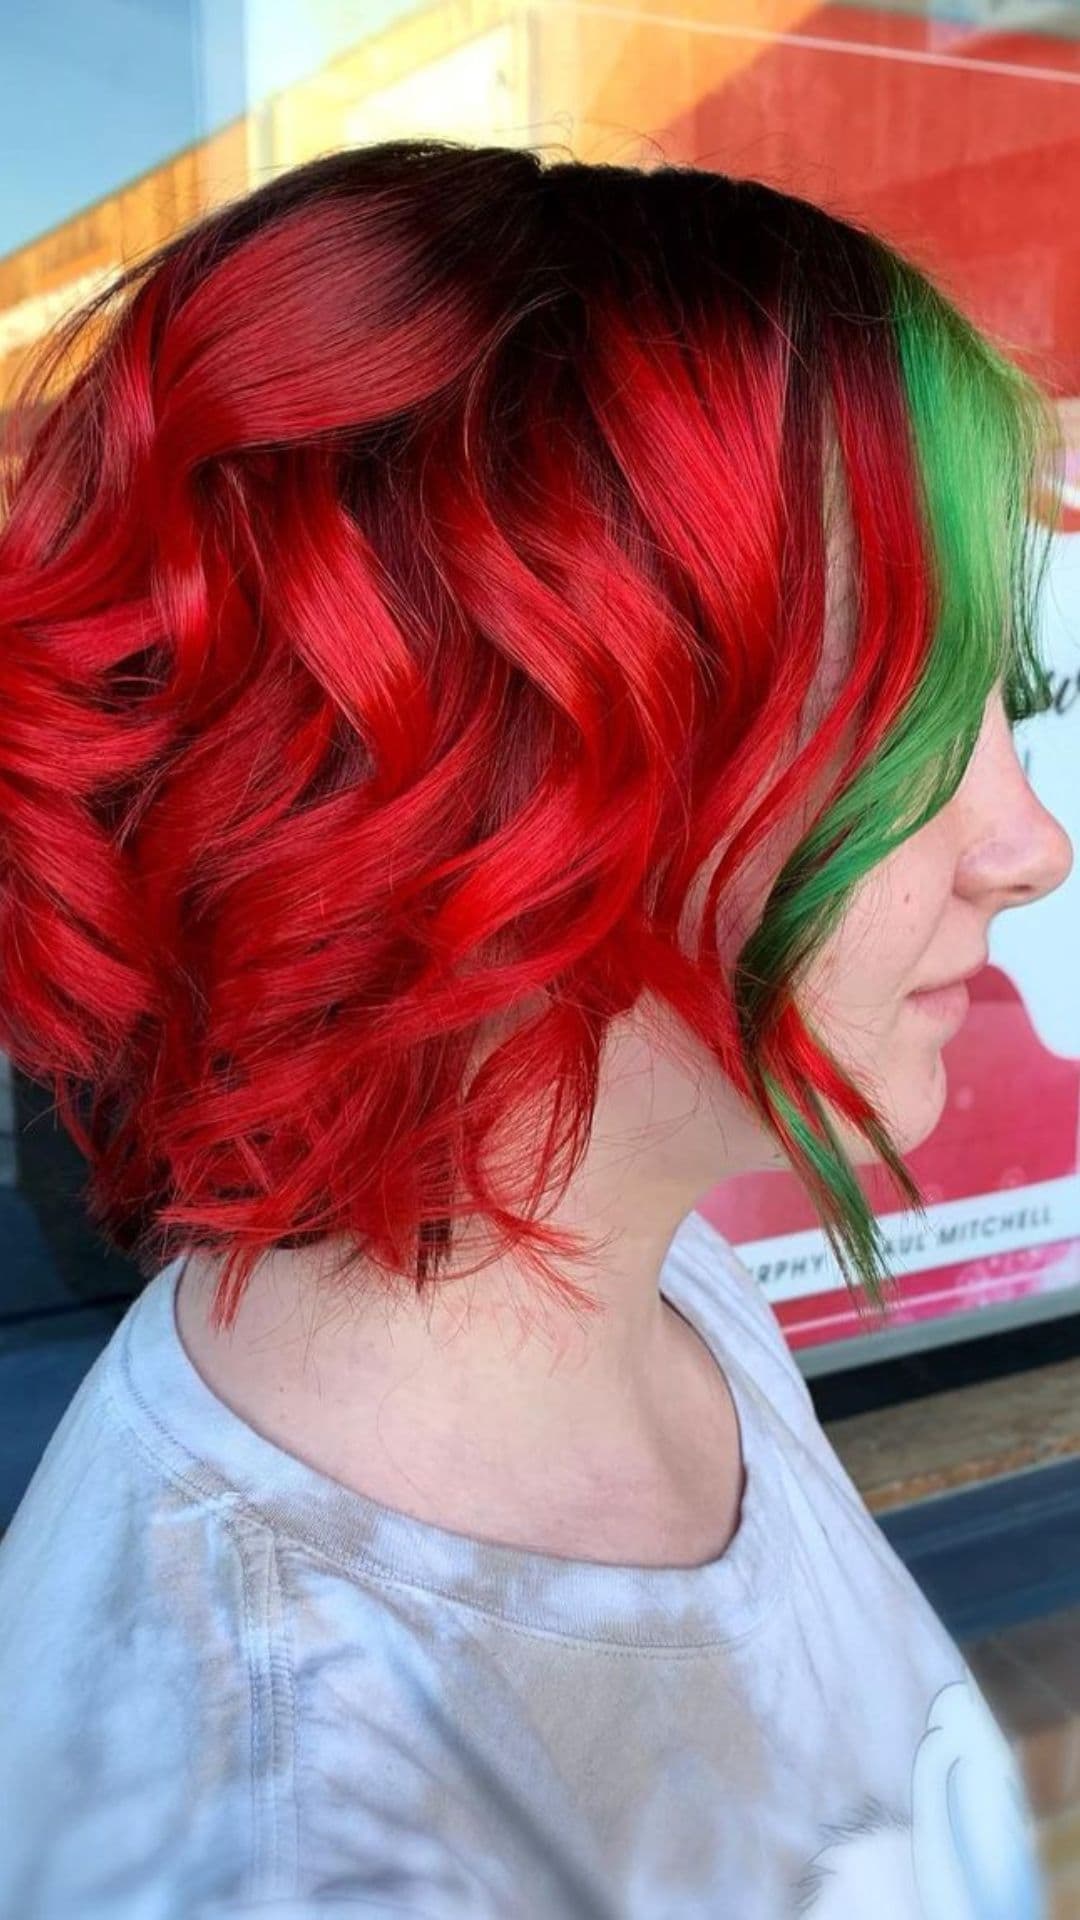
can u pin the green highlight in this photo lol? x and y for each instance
(981, 431)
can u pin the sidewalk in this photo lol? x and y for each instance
(1030, 1673)
(1031, 1678)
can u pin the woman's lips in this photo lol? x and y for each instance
(947, 1005)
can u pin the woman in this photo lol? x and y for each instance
(509, 673)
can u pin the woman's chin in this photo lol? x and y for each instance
(919, 1114)
(910, 1116)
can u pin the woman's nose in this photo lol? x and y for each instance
(1019, 851)
(1046, 857)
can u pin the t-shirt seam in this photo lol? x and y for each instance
(255, 1861)
(230, 1502)
(238, 1521)
(279, 1738)
(294, 1722)
(328, 1903)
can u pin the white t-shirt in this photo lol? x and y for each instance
(233, 1689)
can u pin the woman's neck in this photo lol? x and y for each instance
(640, 1468)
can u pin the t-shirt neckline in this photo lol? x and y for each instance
(201, 1442)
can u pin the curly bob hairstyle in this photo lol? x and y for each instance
(417, 581)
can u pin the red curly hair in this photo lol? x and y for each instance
(421, 577)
